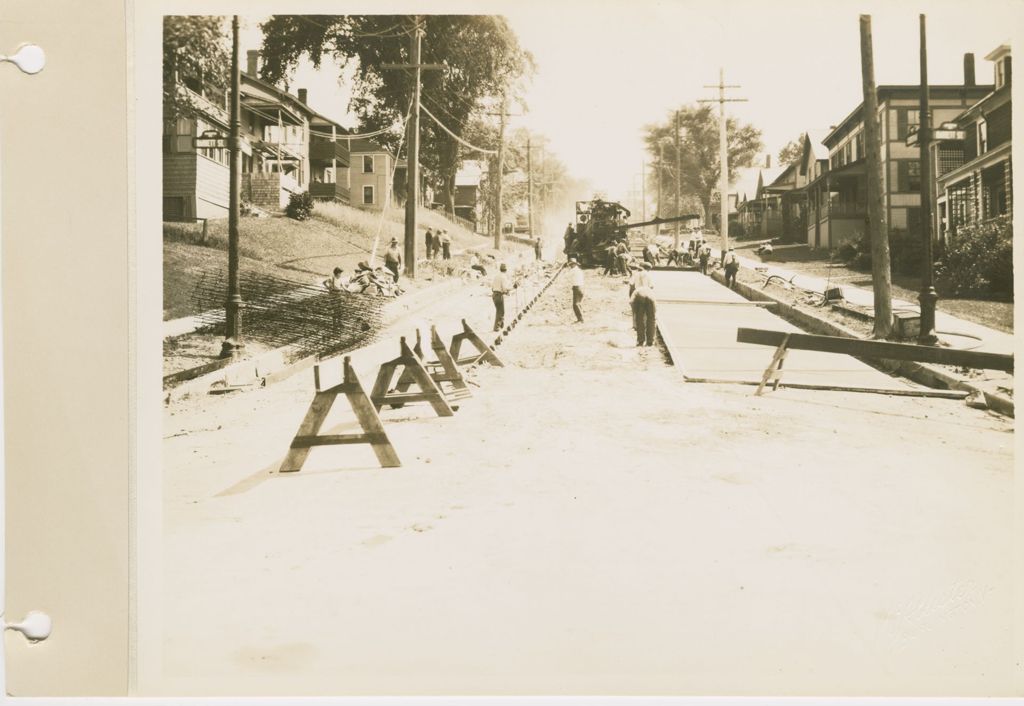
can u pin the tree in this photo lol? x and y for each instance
(481, 55)
(698, 148)
(792, 152)
(196, 56)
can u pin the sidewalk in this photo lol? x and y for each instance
(991, 340)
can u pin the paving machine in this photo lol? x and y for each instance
(601, 223)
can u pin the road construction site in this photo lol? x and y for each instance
(594, 521)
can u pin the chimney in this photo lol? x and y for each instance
(969, 69)
(768, 161)
(302, 95)
(252, 61)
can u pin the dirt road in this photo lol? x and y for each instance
(588, 523)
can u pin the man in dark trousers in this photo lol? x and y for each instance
(732, 266)
(538, 249)
(500, 286)
(576, 279)
(393, 258)
(641, 301)
(430, 243)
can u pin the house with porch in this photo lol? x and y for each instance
(274, 136)
(328, 158)
(789, 190)
(972, 161)
(760, 213)
(837, 198)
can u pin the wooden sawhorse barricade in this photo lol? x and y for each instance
(863, 349)
(308, 434)
(485, 354)
(413, 372)
(444, 371)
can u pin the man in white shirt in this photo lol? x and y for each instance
(576, 279)
(474, 264)
(499, 288)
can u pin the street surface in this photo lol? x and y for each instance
(590, 523)
(698, 321)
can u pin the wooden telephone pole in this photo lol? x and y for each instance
(678, 179)
(928, 297)
(723, 156)
(881, 275)
(412, 170)
(529, 183)
(500, 177)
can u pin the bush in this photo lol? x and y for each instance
(979, 259)
(300, 206)
(736, 230)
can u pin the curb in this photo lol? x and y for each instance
(921, 373)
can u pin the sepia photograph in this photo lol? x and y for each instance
(630, 349)
(558, 349)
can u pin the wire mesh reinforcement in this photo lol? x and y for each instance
(280, 312)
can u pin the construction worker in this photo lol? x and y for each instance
(430, 243)
(446, 245)
(393, 258)
(576, 279)
(474, 264)
(704, 255)
(538, 249)
(570, 234)
(732, 266)
(641, 301)
(500, 286)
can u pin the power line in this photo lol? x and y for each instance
(456, 137)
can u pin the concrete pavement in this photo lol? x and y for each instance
(698, 318)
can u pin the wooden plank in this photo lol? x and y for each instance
(878, 349)
(941, 394)
(311, 423)
(303, 442)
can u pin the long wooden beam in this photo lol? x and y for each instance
(878, 349)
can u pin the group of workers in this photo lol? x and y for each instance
(439, 242)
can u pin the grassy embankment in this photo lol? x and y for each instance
(336, 236)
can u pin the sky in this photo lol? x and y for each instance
(607, 68)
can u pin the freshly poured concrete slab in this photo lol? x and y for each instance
(698, 318)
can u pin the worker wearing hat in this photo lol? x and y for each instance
(641, 301)
(393, 258)
(576, 279)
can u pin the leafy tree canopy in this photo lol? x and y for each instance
(481, 55)
(699, 153)
(792, 152)
(197, 54)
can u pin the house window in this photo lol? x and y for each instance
(913, 176)
(847, 153)
(368, 194)
(368, 164)
(859, 146)
(982, 137)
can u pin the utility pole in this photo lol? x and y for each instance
(529, 183)
(661, 176)
(412, 170)
(928, 296)
(723, 157)
(232, 347)
(679, 174)
(643, 190)
(499, 184)
(881, 275)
